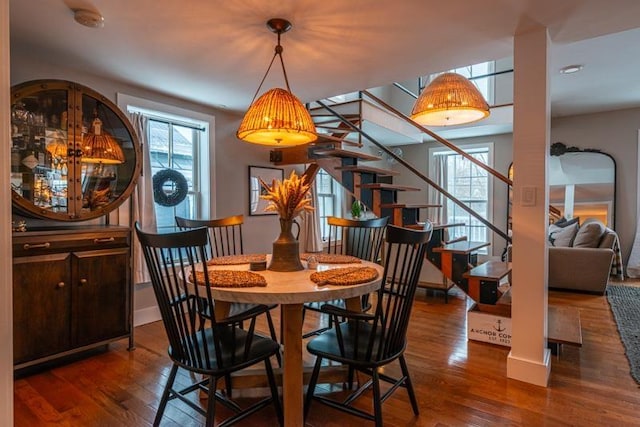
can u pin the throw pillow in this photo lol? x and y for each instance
(560, 221)
(563, 222)
(562, 237)
(589, 235)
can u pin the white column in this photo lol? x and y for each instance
(6, 288)
(529, 359)
(569, 200)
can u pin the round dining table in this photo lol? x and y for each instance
(291, 290)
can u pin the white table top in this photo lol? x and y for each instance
(294, 287)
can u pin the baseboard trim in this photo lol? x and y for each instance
(146, 315)
(530, 371)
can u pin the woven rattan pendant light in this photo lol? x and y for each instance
(100, 147)
(277, 118)
(450, 99)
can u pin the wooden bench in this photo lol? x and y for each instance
(564, 328)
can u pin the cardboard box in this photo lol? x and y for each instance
(488, 327)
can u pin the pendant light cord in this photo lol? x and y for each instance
(278, 52)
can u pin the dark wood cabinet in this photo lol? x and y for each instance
(41, 302)
(72, 291)
(74, 157)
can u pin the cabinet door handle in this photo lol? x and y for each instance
(27, 246)
(105, 240)
(83, 282)
(60, 285)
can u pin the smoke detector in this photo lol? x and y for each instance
(570, 69)
(88, 18)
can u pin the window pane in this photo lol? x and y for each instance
(182, 152)
(324, 183)
(173, 146)
(470, 184)
(159, 144)
(328, 200)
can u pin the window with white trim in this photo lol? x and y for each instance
(183, 141)
(330, 200)
(175, 145)
(470, 184)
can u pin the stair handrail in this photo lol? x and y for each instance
(419, 174)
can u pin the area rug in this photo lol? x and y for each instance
(625, 305)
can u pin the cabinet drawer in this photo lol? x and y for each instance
(28, 245)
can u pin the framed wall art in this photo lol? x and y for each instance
(267, 174)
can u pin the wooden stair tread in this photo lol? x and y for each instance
(418, 226)
(338, 152)
(490, 270)
(327, 137)
(368, 169)
(449, 225)
(407, 206)
(462, 247)
(505, 298)
(326, 120)
(330, 118)
(498, 310)
(390, 187)
(316, 110)
(564, 325)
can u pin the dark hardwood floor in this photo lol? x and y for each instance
(458, 382)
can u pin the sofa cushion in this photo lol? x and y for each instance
(589, 235)
(562, 237)
(609, 239)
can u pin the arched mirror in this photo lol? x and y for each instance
(582, 183)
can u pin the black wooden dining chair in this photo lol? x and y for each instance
(367, 342)
(224, 239)
(225, 234)
(214, 351)
(359, 238)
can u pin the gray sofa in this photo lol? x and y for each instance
(585, 267)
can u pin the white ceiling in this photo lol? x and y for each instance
(215, 52)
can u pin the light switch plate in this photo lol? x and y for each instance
(528, 196)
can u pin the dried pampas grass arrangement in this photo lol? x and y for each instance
(288, 197)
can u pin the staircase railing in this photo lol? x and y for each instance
(417, 172)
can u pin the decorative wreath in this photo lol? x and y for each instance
(180, 187)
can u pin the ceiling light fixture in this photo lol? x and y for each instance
(450, 99)
(277, 118)
(570, 69)
(88, 18)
